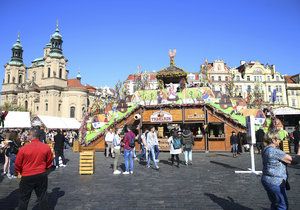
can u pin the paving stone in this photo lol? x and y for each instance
(210, 183)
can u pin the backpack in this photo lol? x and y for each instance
(176, 143)
(131, 142)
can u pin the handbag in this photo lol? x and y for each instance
(287, 185)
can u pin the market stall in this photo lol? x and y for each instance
(56, 122)
(17, 120)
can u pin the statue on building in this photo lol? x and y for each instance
(172, 54)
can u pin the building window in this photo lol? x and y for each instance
(8, 78)
(220, 79)
(293, 102)
(238, 78)
(72, 112)
(226, 78)
(26, 105)
(277, 78)
(216, 130)
(280, 88)
(37, 108)
(20, 79)
(269, 78)
(60, 73)
(269, 88)
(249, 88)
(213, 87)
(83, 111)
(59, 107)
(212, 78)
(46, 107)
(221, 88)
(248, 78)
(49, 72)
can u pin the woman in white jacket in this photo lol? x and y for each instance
(175, 147)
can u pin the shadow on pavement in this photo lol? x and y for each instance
(11, 201)
(226, 165)
(226, 204)
(52, 198)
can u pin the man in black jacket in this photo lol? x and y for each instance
(59, 141)
(296, 135)
(42, 135)
(260, 135)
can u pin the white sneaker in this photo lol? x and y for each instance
(63, 165)
(56, 166)
(117, 172)
(157, 160)
(131, 172)
(126, 173)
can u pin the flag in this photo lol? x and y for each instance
(274, 96)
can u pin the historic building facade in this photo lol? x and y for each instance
(293, 90)
(246, 79)
(44, 87)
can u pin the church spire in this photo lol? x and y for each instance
(56, 43)
(17, 52)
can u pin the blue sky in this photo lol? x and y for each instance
(107, 40)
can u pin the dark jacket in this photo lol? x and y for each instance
(59, 141)
(260, 135)
(42, 136)
(296, 135)
(234, 139)
(187, 139)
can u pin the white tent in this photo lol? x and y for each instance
(17, 120)
(56, 122)
(286, 111)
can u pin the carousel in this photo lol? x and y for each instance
(173, 105)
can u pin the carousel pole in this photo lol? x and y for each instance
(205, 135)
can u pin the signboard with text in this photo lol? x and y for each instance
(161, 116)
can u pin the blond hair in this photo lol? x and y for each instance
(272, 136)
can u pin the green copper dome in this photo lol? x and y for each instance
(56, 34)
(17, 45)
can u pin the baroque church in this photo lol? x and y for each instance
(44, 88)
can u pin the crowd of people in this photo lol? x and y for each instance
(180, 141)
(11, 140)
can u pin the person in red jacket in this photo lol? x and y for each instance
(32, 163)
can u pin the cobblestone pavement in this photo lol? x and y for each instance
(210, 183)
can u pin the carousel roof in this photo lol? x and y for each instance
(171, 71)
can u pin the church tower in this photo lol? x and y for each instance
(54, 73)
(15, 70)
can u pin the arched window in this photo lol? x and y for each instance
(26, 105)
(49, 72)
(83, 111)
(46, 107)
(60, 73)
(37, 108)
(88, 103)
(72, 112)
(59, 107)
(8, 78)
(20, 79)
(34, 76)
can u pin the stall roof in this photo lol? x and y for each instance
(59, 122)
(286, 111)
(17, 120)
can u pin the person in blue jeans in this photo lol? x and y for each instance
(151, 144)
(128, 151)
(274, 177)
(234, 143)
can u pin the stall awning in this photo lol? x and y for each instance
(17, 120)
(286, 111)
(58, 122)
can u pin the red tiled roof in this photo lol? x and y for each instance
(75, 83)
(288, 79)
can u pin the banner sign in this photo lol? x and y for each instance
(161, 116)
